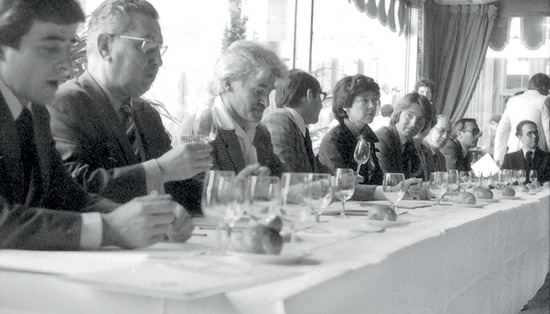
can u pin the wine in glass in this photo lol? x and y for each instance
(361, 154)
(200, 126)
(438, 184)
(294, 203)
(264, 197)
(394, 187)
(533, 176)
(217, 203)
(464, 178)
(344, 186)
(453, 180)
(319, 193)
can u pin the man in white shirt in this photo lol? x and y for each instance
(527, 106)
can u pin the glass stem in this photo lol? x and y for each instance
(293, 238)
(438, 201)
(318, 217)
(358, 168)
(343, 212)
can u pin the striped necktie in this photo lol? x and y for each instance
(127, 116)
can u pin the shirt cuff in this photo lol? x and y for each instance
(153, 177)
(91, 232)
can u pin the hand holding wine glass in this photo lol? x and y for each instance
(344, 187)
(362, 151)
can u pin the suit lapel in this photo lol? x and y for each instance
(10, 155)
(109, 118)
(233, 148)
(261, 151)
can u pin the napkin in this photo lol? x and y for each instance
(486, 166)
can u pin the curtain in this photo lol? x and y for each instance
(455, 42)
(387, 15)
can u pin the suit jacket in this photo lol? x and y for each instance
(436, 160)
(46, 213)
(391, 153)
(454, 158)
(289, 144)
(227, 154)
(540, 162)
(337, 149)
(93, 144)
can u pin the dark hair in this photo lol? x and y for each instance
(410, 100)
(540, 82)
(460, 124)
(425, 83)
(289, 92)
(347, 89)
(496, 118)
(18, 16)
(519, 127)
(386, 110)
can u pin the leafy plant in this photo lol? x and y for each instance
(237, 24)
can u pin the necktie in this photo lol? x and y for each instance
(127, 116)
(410, 159)
(309, 151)
(528, 159)
(29, 157)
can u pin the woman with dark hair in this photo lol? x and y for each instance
(356, 100)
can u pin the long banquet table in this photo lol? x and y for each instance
(449, 259)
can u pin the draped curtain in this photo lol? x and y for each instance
(455, 42)
(390, 13)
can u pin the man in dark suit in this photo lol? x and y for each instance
(112, 141)
(465, 135)
(41, 207)
(245, 75)
(437, 139)
(299, 100)
(530, 156)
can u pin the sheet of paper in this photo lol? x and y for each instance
(486, 166)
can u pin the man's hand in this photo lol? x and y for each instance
(182, 228)
(141, 222)
(184, 162)
(415, 190)
(253, 170)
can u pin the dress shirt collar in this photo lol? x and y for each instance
(526, 151)
(353, 129)
(297, 118)
(14, 104)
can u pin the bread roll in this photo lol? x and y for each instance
(466, 198)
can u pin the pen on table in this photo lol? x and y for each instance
(199, 234)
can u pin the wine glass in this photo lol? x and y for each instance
(520, 175)
(294, 203)
(264, 197)
(200, 126)
(217, 203)
(452, 179)
(394, 187)
(344, 186)
(361, 154)
(319, 193)
(533, 176)
(438, 184)
(464, 178)
(475, 179)
(507, 176)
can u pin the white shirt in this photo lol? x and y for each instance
(245, 136)
(527, 106)
(92, 229)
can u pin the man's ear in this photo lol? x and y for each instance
(104, 45)
(310, 95)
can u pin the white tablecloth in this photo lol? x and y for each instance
(448, 260)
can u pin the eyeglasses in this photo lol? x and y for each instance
(323, 95)
(147, 46)
(475, 132)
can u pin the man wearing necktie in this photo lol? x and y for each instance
(465, 135)
(299, 100)
(530, 157)
(41, 207)
(112, 141)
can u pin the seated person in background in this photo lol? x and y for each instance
(41, 207)
(244, 76)
(112, 141)
(530, 156)
(465, 135)
(413, 114)
(299, 99)
(425, 88)
(423, 151)
(383, 119)
(437, 138)
(355, 102)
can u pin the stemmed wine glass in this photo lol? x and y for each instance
(294, 203)
(344, 186)
(361, 154)
(200, 126)
(438, 184)
(264, 197)
(475, 180)
(453, 180)
(533, 176)
(394, 187)
(220, 190)
(319, 193)
(520, 175)
(464, 178)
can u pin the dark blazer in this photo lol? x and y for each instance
(46, 214)
(337, 149)
(93, 144)
(435, 161)
(391, 152)
(227, 154)
(289, 144)
(454, 157)
(540, 162)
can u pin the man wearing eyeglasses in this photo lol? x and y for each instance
(112, 141)
(300, 100)
(465, 135)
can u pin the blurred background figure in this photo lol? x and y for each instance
(493, 125)
(425, 88)
(383, 119)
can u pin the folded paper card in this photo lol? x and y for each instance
(486, 166)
